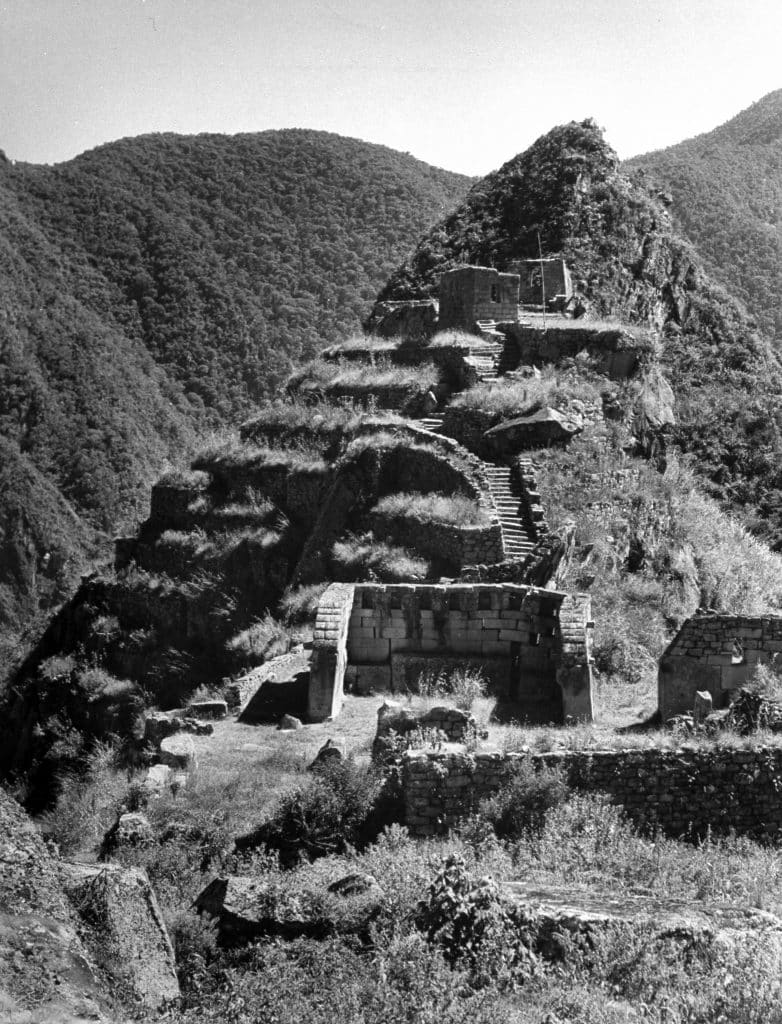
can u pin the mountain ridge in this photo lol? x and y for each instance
(156, 288)
(724, 189)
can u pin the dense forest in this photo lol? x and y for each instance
(157, 287)
(725, 190)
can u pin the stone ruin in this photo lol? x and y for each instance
(533, 646)
(472, 294)
(716, 654)
(543, 282)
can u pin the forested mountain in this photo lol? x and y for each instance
(726, 196)
(158, 286)
(627, 262)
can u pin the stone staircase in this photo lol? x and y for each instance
(489, 330)
(487, 359)
(431, 423)
(516, 537)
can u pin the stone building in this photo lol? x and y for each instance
(718, 653)
(533, 646)
(549, 277)
(469, 294)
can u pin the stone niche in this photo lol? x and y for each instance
(469, 294)
(533, 645)
(717, 653)
(549, 277)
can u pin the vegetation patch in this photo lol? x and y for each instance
(450, 509)
(363, 378)
(507, 400)
(364, 558)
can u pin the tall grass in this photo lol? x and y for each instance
(507, 399)
(364, 558)
(450, 509)
(364, 377)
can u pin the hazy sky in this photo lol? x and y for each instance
(464, 84)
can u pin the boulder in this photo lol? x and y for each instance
(289, 722)
(208, 709)
(125, 929)
(178, 751)
(554, 912)
(247, 909)
(357, 884)
(157, 780)
(132, 828)
(702, 707)
(158, 725)
(46, 972)
(197, 728)
(535, 430)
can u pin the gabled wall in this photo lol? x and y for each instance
(717, 653)
(534, 644)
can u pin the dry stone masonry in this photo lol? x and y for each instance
(685, 792)
(716, 654)
(533, 644)
(470, 294)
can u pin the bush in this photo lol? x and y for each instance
(524, 801)
(87, 802)
(467, 920)
(330, 812)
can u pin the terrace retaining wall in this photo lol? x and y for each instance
(684, 792)
(537, 640)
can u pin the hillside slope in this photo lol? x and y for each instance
(628, 263)
(158, 286)
(726, 196)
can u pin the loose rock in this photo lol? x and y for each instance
(178, 752)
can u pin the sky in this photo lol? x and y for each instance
(462, 84)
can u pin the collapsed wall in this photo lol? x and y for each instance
(717, 653)
(532, 645)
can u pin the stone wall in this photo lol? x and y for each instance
(455, 546)
(685, 792)
(542, 636)
(468, 294)
(175, 498)
(534, 274)
(329, 658)
(456, 370)
(618, 353)
(717, 653)
(436, 463)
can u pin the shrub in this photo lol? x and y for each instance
(467, 920)
(467, 686)
(87, 802)
(452, 509)
(524, 801)
(364, 558)
(328, 813)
